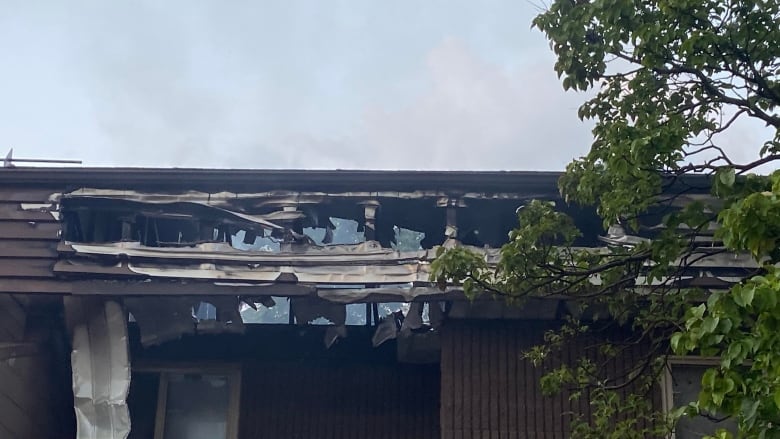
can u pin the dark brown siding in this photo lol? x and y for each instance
(293, 387)
(489, 391)
(35, 402)
(28, 240)
(27, 409)
(339, 401)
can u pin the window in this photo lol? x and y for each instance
(682, 384)
(192, 402)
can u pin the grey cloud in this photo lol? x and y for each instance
(188, 84)
(476, 115)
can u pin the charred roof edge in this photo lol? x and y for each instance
(292, 179)
(296, 179)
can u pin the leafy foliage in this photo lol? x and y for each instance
(672, 77)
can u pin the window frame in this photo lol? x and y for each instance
(231, 370)
(667, 381)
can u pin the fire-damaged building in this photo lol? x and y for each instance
(180, 303)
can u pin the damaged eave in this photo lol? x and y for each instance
(272, 198)
(370, 252)
(192, 206)
(365, 263)
(326, 273)
(421, 292)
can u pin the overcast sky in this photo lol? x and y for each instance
(411, 84)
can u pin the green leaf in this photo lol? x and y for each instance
(709, 324)
(697, 312)
(727, 177)
(708, 379)
(675, 342)
(744, 296)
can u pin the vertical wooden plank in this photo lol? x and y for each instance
(359, 392)
(398, 391)
(467, 380)
(270, 400)
(483, 343)
(340, 421)
(517, 377)
(371, 410)
(493, 381)
(503, 387)
(547, 402)
(478, 369)
(530, 390)
(279, 401)
(456, 395)
(557, 403)
(460, 398)
(512, 378)
(390, 422)
(326, 410)
(446, 406)
(293, 389)
(566, 403)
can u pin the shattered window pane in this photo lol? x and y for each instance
(277, 314)
(356, 314)
(343, 231)
(205, 311)
(406, 239)
(346, 232)
(317, 234)
(260, 244)
(389, 308)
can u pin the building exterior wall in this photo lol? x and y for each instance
(27, 408)
(339, 401)
(483, 388)
(34, 400)
(292, 386)
(488, 390)
(28, 241)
